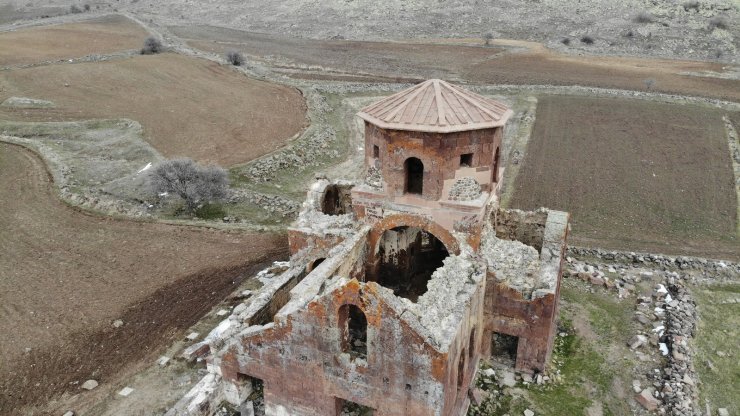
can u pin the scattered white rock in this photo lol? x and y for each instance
(528, 413)
(69, 413)
(117, 323)
(222, 312)
(723, 412)
(89, 384)
(126, 391)
(663, 348)
(163, 361)
(192, 336)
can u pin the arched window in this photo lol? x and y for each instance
(461, 370)
(496, 158)
(353, 324)
(414, 170)
(315, 264)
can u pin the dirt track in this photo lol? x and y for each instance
(634, 175)
(65, 276)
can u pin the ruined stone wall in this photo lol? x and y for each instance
(525, 226)
(440, 154)
(305, 370)
(507, 312)
(529, 316)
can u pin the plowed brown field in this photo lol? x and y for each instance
(65, 276)
(635, 175)
(100, 36)
(188, 107)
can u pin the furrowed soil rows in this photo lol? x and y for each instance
(635, 175)
(65, 276)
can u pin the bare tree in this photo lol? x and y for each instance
(235, 58)
(152, 45)
(649, 83)
(487, 38)
(195, 184)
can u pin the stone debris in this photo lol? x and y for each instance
(24, 102)
(192, 336)
(508, 379)
(89, 384)
(647, 400)
(723, 412)
(528, 412)
(69, 413)
(163, 361)
(477, 396)
(222, 312)
(126, 391)
(117, 323)
(465, 189)
(514, 262)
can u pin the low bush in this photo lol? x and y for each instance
(152, 45)
(588, 40)
(691, 4)
(75, 9)
(718, 22)
(235, 58)
(644, 17)
(565, 41)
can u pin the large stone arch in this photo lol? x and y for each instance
(409, 220)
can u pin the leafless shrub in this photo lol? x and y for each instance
(718, 22)
(565, 41)
(588, 40)
(197, 185)
(487, 38)
(644, 17)
(630, 34)
(235, 58)
(649, 83)
(152, 45)
(74, 9)
(691, 4)
(86, 7)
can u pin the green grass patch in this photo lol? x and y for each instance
(717, 341)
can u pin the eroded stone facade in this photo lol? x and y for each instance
(396, 289)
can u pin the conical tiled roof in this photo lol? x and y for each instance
(438, 107)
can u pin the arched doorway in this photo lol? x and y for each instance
(414, 170)
(407, 258)
(353, 324)
(496, 158)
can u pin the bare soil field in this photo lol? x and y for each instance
(530, 63)
(65, 276)
(635, 175)
(188, 107)
(45, 43)
(387, 59)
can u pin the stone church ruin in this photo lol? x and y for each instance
(399, 285)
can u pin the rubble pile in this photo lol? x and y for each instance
(465, 189)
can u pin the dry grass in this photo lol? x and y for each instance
(188, 107)
(635, 175)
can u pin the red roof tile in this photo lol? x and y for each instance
(438, 107)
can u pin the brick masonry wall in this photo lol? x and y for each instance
(304, 369)
(439, 152)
